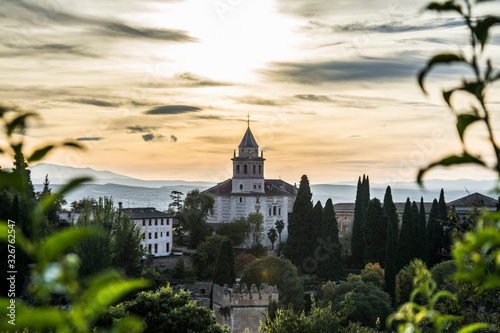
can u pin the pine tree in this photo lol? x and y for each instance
(329, 261)
(126, 252)
(390, 265)
(434, 235)
(357, 243)
(300, 225)
(406, 243)
(225, 269)
(21, 167)
(422, 232)
(392, 213)
(375, 233)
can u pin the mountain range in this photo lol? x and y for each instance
(135, 192)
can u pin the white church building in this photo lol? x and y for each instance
(249, 192)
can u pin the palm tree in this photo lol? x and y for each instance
(271, 234)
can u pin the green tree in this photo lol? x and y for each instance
(126, 249)
(375, 233)
(372, 304)
(95, 253)
(193, 215)
(175, 206)
(280, 273)
(237, 231)
(390, 265)
(357, 242)
(272, 234)
(317, 214)
(225, 269)
(434, 235)
(280, 225)
(163, 311)
(406, 243)
(179, 270)
(443, 208)
(300, 225)
(392, 213)
(256, 222)
(329, 260)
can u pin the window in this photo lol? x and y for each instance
(241, 187)
(168, 233)
(274, 210)
(143, 236)
(156, 248)
(241, 199)
(156, 221)
(270, 211)
(156, 235)
(237, 169)
(149, 235)
(143, 223)
(167, 247)
(149, 247)
(161, 220)
(149, 221)
(279, 211)
(258, 199)
(168, 222)
(259, 187)
(260, 169)
(245, 169)
(254, 186)
(254, 169)
(161, 234)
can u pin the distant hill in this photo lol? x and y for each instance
(156, 193)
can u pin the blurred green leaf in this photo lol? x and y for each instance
(56, 244)
(445, 6)
(482, 27)
(443, 58)
(19, 122)
(466, 158)
(12, 179)
(447, 96)
(464, 120)
(40, 153)
(473, 327)
(20, 240)
(50, 200)
(104, 290)
(39, 318)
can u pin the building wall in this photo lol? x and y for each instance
(156, 236)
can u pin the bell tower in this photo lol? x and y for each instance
(248, 166)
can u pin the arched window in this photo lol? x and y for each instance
(241, 186)
(245, 169)
(270, 211)
(274, 210)
(279, 211)
(254, 169)
(260, 169)
(237, 169)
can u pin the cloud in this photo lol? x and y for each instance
(95, 102)
(48, 48)
(353, 136)
(173, 138)
(365, 68)
(141, 129)
(254, 100)
(314, 98)
(123, 29)
(154, 138)
(172, 109)
(398, 26)
(183, 80)
(90, 138)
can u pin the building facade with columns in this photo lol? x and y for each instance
(249, 192)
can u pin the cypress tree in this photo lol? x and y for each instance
(330, 263)
(357, 243)
(392, 213)
(406, 248)
(390, 265)
(375, 233)
(422, 232)
(366, 193)
(225, 269)
(434, 235)
(317, 213)
(443, 209)
(300, 225)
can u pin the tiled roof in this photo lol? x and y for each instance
(145, 212)
(271, 187)
(474, 198)
(248, 140)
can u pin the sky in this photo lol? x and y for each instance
(162, 89)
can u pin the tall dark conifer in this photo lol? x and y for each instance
(390, 265)
(392, 213)
(375, 233)
(406, 247)
(329, 261)
(443, 209)
(422, 232)
(300, 225)
(225, 269)
(434, 235)
(317, 213)
(357, 243)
